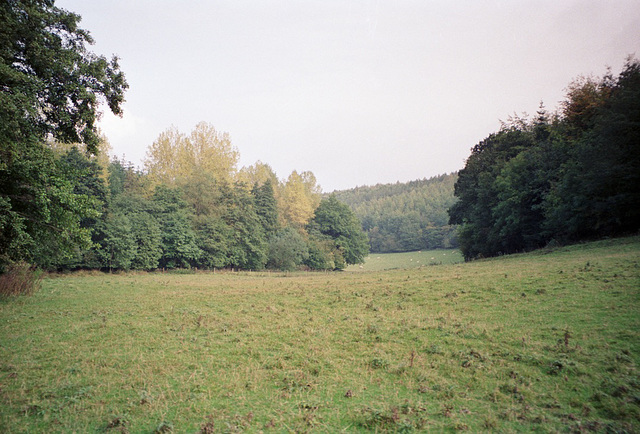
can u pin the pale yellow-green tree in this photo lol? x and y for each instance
(175, 157)
(314, 191)
(161, 162)
(300, 197)
(257, 173)
(212, 152)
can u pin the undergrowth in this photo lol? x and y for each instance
(19, 278)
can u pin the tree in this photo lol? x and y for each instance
(231, 235)
(266, 207)
(247, 244)
(596, 192)
(287, 250)
(402, 217)
(52, 87)
(258, 173)
(323, 254)
(179, 248)
(174, 157)
(119, 247)
(143, 230)
(213, 237)
(123, 177)
(584, 98)
(162, 163)
(477, 192)
(300, 197)
(565, 178)
(334, 220)
(86, 175)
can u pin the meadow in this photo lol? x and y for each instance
(547, 341)
(408, 260)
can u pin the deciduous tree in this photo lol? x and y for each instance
(334, 220)
(174, 157)
(52, 86)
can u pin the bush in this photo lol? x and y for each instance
(287, 250)
(19, 278)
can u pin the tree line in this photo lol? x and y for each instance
(558, 177)
(191, 208)
(64, 205)
(404, 217)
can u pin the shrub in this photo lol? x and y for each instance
(19, 278)
(287, 250)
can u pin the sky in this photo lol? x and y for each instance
(359, 92)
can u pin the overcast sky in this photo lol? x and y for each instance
(359, 92)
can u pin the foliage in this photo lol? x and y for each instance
(428, 350)
(324, 255)
(334, 220)
(119, 246)
(42, 215)
(266, 207)
(132, 230)
(247, 247)
(258, 173)
(562, 178)
(63, 206)
(287, 250)
(174, 157)
(179, 248)
(198, 220)
(52, 86)
(300, 196)
(213, 237)
(404, 217)
(231, 233)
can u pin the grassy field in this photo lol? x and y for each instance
(546, 342)
(408, 260)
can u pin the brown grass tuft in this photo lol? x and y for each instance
(20, 278)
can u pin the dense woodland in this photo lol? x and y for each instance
(64, 205)
(404, 217)
(191, 207)
(556, 178)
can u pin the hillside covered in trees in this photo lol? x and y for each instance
(404, 217)
(559, 177)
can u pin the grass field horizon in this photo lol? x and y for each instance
(546, 341)
(408, 260)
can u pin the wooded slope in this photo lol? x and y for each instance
(407, 216)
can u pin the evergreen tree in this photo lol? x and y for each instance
(179, 248)
(266, 207)
(408, 216)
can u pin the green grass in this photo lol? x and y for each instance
(547, 342)
(408, 260)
